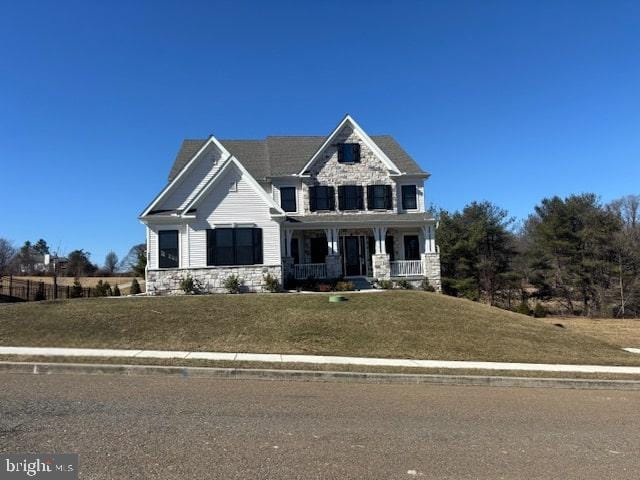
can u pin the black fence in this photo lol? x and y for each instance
(20, 290)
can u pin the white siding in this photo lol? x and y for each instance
(206, 165)
(152, 248)
(224, 207)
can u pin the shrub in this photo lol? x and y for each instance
(233, 283)
(102, 289)
(426, 286)
(135, 287)
(76, 289)
(40, 292)
(324, 287)
(310, 283)
(271, 283)
(523, 308)
(187, 285)
(344, 286)
(539, 311)
(385, 284)
(116, 291)
(405, 284)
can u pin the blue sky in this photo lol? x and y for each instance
(503, 101)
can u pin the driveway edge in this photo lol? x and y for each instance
(38, 368)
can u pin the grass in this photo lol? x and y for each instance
(623, 333)
(402, 324)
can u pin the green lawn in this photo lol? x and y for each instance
(391, 324)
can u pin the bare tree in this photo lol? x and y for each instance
(7, 253)
(111, 263)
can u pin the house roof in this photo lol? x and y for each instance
(280, 156)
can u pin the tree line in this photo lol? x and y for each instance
(29, 260)
(572, 255)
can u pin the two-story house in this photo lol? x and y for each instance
(343, 205)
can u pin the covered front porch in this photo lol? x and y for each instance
(365, 246)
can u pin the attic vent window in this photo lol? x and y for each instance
(349, 153)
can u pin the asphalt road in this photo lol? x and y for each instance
(172, 427)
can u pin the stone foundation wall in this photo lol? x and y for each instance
(334, 266)
(209, 280)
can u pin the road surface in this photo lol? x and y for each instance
(174, 427)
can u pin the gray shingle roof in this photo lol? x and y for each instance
(277, 156)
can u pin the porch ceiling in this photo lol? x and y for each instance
(358, 220)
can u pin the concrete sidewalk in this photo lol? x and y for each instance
(314, 359)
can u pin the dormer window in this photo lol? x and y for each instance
(288, 199)
(349, 153)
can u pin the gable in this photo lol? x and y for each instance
(233, 198)
(326, 165)
(207, 165)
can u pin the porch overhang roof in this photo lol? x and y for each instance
(306, 222)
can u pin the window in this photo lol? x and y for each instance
(389, 248)
(322, 198)
(350, 197)
(379, 197)
(409, 194)
(349, 152)
(319, 249)
(411, 247)
(234, 246)
(168, 248)
(288, 199)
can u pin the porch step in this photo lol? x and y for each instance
(361, 283)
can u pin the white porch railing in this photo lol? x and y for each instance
(406, 268)
(302, 271)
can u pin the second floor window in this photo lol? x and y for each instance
(322, 198)
(350, 197)
(348, 152)
(288, 199)
(379, 197)
(409, 197)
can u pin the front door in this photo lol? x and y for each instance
(352, 256)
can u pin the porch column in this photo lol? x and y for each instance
(288, 235)
(380, 235)
(332, 240)
(429, 234)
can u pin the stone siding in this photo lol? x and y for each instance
(210, 279)
(431, 269)
(326, 170)
(381, 266)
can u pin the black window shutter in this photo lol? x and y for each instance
(341, 199)
(360, 198)
(211, 247)
(332, 197)
(388, 200)
(370, 194)
(340, 152)
(356, 152)
(312, 199)
(257, 245)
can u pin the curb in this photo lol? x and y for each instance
(37, 368)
